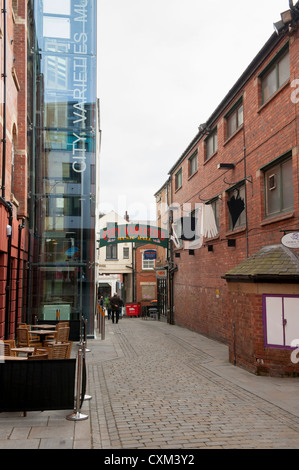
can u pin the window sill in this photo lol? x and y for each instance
(278, 218)
(177, 190)
(264, 105)
(233, 135)
(235, 231)
(210, 158)
(191, 176)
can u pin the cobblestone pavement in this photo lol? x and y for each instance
(157, 386)
(167, 387)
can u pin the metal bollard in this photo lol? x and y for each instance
(77, 416)
(81, 331)
(85, 336)
(103, 324)
(86, 397)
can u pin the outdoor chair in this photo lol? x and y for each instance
(56, 351)
(24, 325)
(8, 345)
(25, 339)
(58, 336)
(38, 356)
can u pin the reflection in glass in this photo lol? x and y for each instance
(63, 148)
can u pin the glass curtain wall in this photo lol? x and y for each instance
(62, 142)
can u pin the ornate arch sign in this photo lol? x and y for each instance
(133, 233)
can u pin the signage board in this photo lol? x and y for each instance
(161, 274)
(150, 254)
(291, 240)
(134, 233)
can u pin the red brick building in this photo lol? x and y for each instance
(245, 155)
(13, 164)
(145, 280)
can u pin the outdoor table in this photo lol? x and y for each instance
(41, 333)
(28, 351)
(43, 327)
(12, 358)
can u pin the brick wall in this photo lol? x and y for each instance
(16, 137)
(201, 299)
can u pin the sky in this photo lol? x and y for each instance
(163, 68)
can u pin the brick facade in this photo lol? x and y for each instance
(14, 250)
(202, 300)
(145, 279)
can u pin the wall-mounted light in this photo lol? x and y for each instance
(230, 166)
(286, 18)
(8, 230)
(204, 128)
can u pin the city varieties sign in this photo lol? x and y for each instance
(133, 233)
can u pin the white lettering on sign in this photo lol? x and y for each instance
(80, 87)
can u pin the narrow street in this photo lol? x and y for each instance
(165, 387)
(157, 386)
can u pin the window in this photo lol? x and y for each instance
(279, 195)
(111, 251)
(234, 119)
(211, 144)
(193, 164)
(275, 75)
(126, 253)
(148, 292)
(178, 179)
(237, 209)
(281, 320)
(148, 263)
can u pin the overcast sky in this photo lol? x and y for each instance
(163, 68)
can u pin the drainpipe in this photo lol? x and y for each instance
(21, 226)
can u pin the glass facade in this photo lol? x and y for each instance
(62, 150)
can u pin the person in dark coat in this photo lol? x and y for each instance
(116, 303)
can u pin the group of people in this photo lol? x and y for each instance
(113, 305)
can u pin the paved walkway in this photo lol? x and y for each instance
(157, 386)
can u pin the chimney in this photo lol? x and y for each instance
(127, 217)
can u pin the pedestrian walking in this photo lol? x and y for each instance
(116, 304)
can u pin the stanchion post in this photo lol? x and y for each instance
(85, 337)
(103, 324)
(81, 331)
(86, 397)
(77, 416)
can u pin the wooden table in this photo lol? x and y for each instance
(43, 327)
(41, 333)
(12, 358)
(28, 351)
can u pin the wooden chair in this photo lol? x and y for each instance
(61, 324)
(56, 351)
(61, 336)
(24, 339)
(38, 356)
(59, 351)
(33, 336)
(8, 345)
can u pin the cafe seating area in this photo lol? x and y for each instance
(39, 342)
